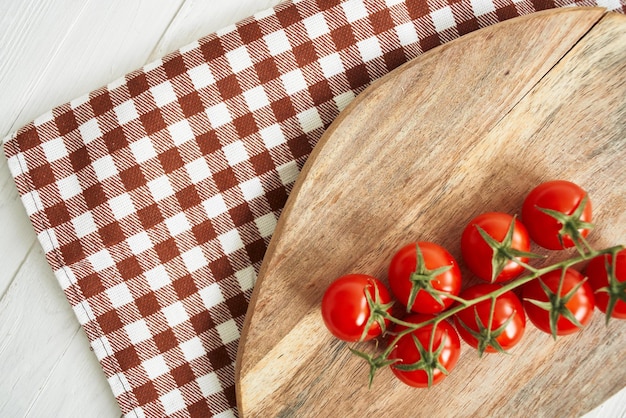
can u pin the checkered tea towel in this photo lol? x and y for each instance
(155, 197)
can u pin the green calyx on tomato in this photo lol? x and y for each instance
(607, 276)
(567, 300)
(503, 251)
(485, 336)
(572, 225)
(557, 214)
(356, 307)
(379, 311)
(617, 293)
(422, 279)
(494, 324)
(425, 349)
(428, 361)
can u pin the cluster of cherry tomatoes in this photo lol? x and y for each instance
(426, 279)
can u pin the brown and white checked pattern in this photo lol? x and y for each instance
(155, 197)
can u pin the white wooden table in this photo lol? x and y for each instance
(50, 53)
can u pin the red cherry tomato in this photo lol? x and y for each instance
(598, 278)
(580, 304)
(407, 276)
(345, 308)
(508, 322)
(478, 254)
(446, 341)
(560, 196)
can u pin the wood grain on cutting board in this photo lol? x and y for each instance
(469, 127)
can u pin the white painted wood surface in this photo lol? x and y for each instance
(50, 53)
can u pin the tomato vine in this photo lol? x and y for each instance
(377, 362)
(428, 334)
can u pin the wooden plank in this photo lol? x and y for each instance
(615, 406)
(76, 386)
(479, 123)
(27, 48)
(36, 330)
(17, 235)
(93, 50)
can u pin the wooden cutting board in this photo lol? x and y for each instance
(469, 127)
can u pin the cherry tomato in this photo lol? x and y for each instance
(579, 304)
(477, 253)
(508, 322)
(412, 274)
(563, 197)
(446, 343)
(598, 278)
(346, 311)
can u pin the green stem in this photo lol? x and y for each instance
(404, 323)
(526, 266)
(586, 244)
(492, 309)
(451, 296)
